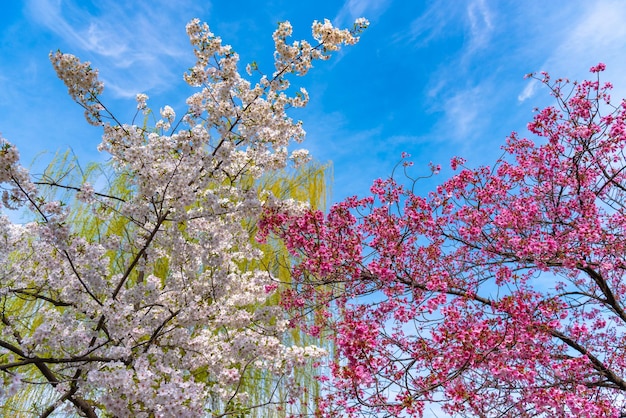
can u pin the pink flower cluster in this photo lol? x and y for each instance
(501, 293)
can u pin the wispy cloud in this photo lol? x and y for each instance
(596, 34)
(462, 110)
(353, 9)
(148, 37)
(529, 91)
(470, 29)
(600, 33)
(475, 21)
(481, 25)
(428, 26)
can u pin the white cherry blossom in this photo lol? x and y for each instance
(147, 297)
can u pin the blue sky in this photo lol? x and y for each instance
(432, 78)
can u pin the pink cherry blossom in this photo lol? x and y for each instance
(500, 293)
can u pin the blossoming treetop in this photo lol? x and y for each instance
(149, 314)
(501, 293)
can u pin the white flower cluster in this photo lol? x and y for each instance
(168, 115)
(300, 157)
(16, 176)
(298, 56)
(9, 156)
(86, 193)
(82, 83)
(141, 99)
(152, 299)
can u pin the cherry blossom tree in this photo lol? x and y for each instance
(500, 293)
(149, 296)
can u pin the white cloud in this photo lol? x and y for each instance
(599, 33)
(480, 24)
(476, 21)
(462, 111)
(147, 36)
(104, 42)
(596, 33)
(529, 90)
(353, 9)
(429, 25)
